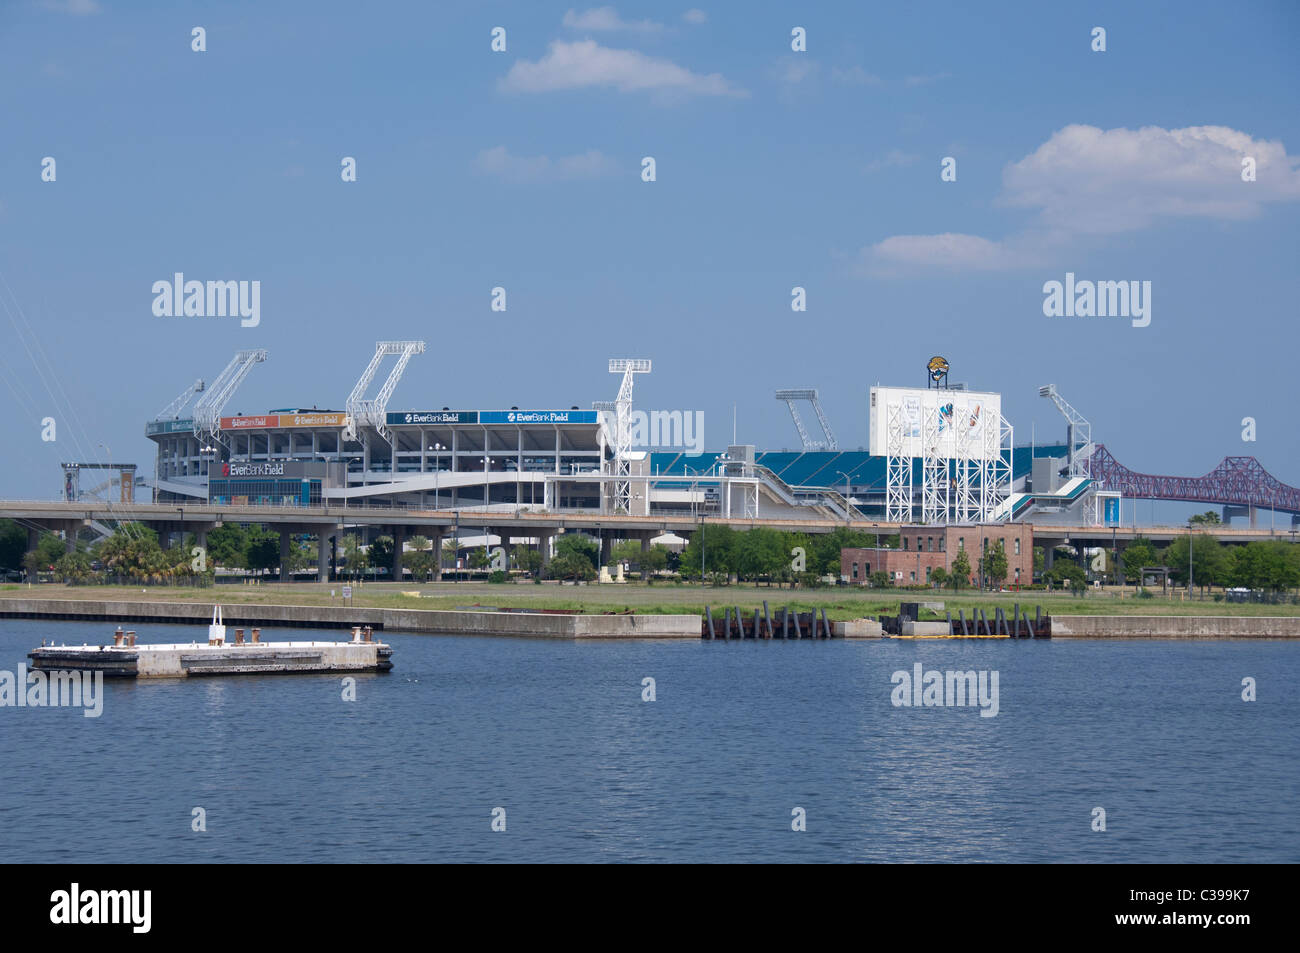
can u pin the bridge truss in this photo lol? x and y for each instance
(1236, 481)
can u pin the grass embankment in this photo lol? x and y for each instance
(658, 598)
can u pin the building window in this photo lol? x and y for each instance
(855, 570)
(904, 542)
(1017, 552)
(943, 544)
(929, 544)
(913, 575)
(927, 573)
(961, 543)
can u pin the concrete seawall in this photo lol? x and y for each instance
(431, 621)
(1174, 627)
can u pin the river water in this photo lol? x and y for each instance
(739, 736)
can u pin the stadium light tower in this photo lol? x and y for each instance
(809, 394)
(373, 411)
(628, 367)
(207, 412)
(1078, 433)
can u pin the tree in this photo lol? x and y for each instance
(1208, 518)
(1040, 559)
(761, 552)
(571, 565)
(881, 579)
(993, 564)
(1209, 562)
(939, 576)
(263, 551)
(626, 551)
(13, 543)
(577, 545)
(48, 551)
(381, 552)
(73, 567)
(1136, 556)
(960, 570)
(227, 546)
(528, 559)
(419, 558)
(1265, 564)
(718, 544)
(355, 557)
(654, 559)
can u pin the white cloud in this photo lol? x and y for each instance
(587, 165)
(75, 7)
(695, 16)
(793, 69)
(1084, 181)
(856, 76)
(1089, 180)
(607, 19)
(586, 63)
(951, 250)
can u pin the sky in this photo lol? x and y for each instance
(774, 169)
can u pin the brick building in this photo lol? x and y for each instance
(923, 548)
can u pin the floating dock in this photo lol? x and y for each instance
(125, 659)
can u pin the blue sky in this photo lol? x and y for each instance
(775, 169)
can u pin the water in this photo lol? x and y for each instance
(556, 732)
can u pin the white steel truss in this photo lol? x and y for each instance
(628, 367)
(898, 466)
(936, 449)
(965, 462)
(207, 412)
(361, 411)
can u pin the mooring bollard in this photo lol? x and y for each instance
(257, 635)
(130, 637)
(118, 636)
(239, 636)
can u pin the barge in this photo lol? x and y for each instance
(126, 659)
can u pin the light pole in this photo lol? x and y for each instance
(437, 468)
(1191, 537)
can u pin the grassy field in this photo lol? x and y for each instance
(658, 598)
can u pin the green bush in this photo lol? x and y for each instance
(498, 576)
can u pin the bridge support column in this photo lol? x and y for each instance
(436, 539)
(286, 551)
(323, 556)
(545, 542)
(399, 540)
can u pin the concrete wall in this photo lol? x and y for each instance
(270, 617)
(1173, 627)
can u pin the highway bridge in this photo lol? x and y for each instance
(174, 520)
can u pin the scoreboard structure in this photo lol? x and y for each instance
(963, 444)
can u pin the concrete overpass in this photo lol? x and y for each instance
(173, 520)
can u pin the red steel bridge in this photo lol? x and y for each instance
(1236, 481)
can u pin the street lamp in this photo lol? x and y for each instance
(1191, 536)
(848, 518)
(437, 468)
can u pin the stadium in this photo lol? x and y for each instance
(942, 453)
